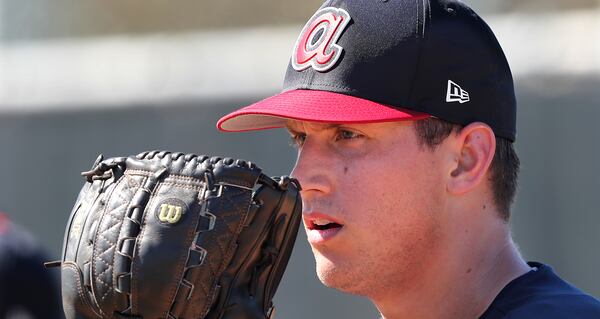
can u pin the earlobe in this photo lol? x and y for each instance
(475, 148)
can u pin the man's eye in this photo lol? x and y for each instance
(297, 140)
(347, 135)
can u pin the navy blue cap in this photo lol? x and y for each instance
(359, 61)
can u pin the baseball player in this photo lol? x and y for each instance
(403, 113)
(26, 290)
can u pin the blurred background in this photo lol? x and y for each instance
(79, 78)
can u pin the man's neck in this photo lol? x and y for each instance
(463, 286)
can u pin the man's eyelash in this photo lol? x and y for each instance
(297, 139)
(347, 135)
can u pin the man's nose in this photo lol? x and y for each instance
(313, 170)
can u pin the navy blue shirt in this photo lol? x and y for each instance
(540, 293)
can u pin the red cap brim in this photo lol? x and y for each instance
(312, 106)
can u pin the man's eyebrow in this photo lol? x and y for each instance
(290, 128)
(322, 126)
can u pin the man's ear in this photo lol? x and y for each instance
(474, 147)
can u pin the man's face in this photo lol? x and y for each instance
(372, 199)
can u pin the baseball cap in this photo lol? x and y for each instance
(359, 61)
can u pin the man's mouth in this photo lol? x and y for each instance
(322, 224)
(321, 228)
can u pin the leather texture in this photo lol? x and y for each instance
(173, 235)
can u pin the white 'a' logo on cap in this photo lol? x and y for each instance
(455, 93)
(316, 46)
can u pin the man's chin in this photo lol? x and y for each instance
(327, 271)
(333, 276)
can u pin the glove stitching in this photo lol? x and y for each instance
(171, 176)
(191, 187)
(123, 198)
(99, 276)
(172, 179)
(109, 266)
(95, 252)
(128, 183)
(223, 251)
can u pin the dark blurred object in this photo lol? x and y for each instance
(27, 289)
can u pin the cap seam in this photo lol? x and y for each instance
(317, 85)
(421, 48)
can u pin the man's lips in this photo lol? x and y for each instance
(319, 221)
(321, 227)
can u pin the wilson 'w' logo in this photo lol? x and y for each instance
(169, 213)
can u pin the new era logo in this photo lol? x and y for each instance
(456, 94)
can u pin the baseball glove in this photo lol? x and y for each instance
(169, 235)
